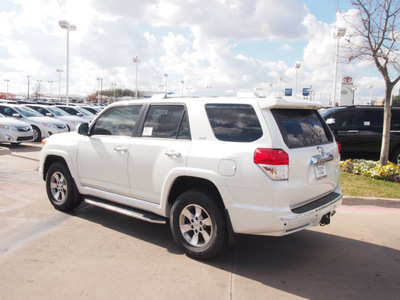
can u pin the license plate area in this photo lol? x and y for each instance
(320, 171)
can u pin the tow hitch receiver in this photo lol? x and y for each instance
(326, 219)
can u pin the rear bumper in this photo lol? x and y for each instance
(282, 220)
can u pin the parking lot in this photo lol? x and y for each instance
(97, 254)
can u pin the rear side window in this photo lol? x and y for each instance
(166, 121)
(302, 127)
(373, 118)
(234, 122)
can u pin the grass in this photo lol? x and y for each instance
(362, 186)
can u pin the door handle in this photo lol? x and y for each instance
(353, 131)
(121, 149)
(173, 154)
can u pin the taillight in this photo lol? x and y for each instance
(339, 147)
(274, 162)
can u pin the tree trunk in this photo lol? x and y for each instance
(387, 117)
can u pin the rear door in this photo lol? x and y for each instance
(346, 127)
(160, 152)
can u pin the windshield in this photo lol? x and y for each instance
(84, 111)
(27, 112)
(57, 111)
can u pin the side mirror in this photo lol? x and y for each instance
(83, 129)
(49, 114)
(79, 114)
(15, 115)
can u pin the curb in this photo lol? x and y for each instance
(384, 202)
(4, 151)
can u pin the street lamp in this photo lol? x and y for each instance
(297, 67)
(101, 89)
(280, 86)
(370, 92)
(51, 87)
(340, 32)
(166, 82)
(69, 27)
(28, 86)
(7, 81)
(136, 60)
(183, 82)
(38, 94)
(113, 85)
(59, 83)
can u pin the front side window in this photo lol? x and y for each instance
(302, 127)
(234, 122)
(120, 121)
(166, 121)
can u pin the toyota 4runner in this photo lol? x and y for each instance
(208, 166)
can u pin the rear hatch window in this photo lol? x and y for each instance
(302, 127)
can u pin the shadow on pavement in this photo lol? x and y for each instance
(308, 264)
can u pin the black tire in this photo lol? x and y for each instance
(198, 224)
(37, 135)
(61, 189)
(396, 156)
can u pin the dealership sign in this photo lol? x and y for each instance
(346, 91)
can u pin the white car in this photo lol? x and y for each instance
(77, 111)
(14, 131)
(57, 113)
(43, 127)
(207, 166)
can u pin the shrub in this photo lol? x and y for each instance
(372, 169)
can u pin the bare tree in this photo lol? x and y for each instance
(376, 37)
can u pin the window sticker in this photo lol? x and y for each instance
(147, 131)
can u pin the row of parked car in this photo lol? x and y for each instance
(33, 122)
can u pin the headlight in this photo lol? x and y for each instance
(5, 126)
(49, 125)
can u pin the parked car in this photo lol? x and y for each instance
(93, 109)
(263, 166)
(14, 131)
(77, 111)
(359, 130)
(57, 113)
(42, 126)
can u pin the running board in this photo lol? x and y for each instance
(130, 212)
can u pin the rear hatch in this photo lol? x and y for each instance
(313, 157)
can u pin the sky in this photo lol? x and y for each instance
(213, 46)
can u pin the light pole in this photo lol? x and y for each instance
(297, 67)
(113, 85)
(340, 32)
(136, 60)
(354, 94)
(183, 82)
(51, 87)
(100, 79)
(69, 27)
(166, 82)
(7, 81)
(39, 81)
(59, 83)
(28, 86)
(370, 92)
(280, 86)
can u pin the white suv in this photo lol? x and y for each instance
(211, 166)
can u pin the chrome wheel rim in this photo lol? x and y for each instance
(58, 187)
(195, 225)
(35, 134)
